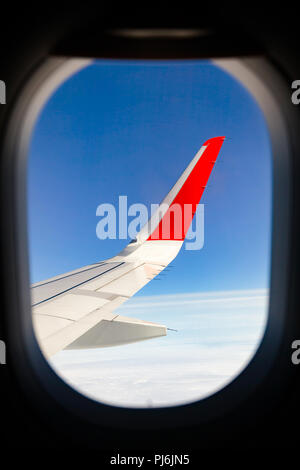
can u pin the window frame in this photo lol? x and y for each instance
(269, 89)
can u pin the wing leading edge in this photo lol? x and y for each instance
(76, 310)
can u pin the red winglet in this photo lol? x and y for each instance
(172, 226)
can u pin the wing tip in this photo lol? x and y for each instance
(215, 139)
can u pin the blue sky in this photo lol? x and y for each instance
(128, 128)
(131, 130)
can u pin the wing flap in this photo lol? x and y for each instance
(56, 333)
(119, 330)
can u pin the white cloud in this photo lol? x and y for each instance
(218, 333)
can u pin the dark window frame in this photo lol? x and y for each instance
(28, 362)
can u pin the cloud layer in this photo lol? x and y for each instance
(218, 334)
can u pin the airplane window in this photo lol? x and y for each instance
(174, 156)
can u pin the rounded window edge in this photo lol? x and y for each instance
(253, 73)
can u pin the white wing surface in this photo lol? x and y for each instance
(77, 309)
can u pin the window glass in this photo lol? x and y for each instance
(119, 134)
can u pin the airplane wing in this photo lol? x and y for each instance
(77, 310)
